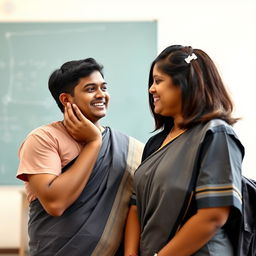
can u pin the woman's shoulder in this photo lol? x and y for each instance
(217, 128)
(154, 143)
(219, 125)
(211, 127)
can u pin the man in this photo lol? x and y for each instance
(78, 174)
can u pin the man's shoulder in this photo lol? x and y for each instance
(51, 132)
(132, 140)
(48, 128)
(124, 134)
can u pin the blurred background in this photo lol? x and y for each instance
(225, 29)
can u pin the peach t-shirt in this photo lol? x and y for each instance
(46, 149)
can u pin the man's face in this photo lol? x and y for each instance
(91, 96)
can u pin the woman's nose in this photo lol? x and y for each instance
(151, 89)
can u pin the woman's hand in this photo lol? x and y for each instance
(132, 233)
(78, 126)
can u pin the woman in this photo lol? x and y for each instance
(189, 182)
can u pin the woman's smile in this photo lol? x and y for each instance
(156, 98)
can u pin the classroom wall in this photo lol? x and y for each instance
(10, 216)
(225, 29)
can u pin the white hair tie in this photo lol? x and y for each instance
(190, 57)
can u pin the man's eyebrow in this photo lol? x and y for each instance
(89, 84)
(94, 84)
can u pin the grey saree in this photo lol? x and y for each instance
(93, 225)
(164, 183)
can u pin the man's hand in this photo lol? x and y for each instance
(78, 126)
(57, 193)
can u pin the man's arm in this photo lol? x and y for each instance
(57, 193)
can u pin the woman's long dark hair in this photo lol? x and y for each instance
(204, 96)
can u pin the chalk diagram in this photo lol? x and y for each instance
(23, 68)
(18, 77)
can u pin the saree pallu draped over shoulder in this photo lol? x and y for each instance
(165, 181)
(94, 224)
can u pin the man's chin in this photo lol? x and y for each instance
(97, 117)
(101, 114)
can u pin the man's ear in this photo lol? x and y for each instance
(65, 98)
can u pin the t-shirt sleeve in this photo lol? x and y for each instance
(219, 179)
(38, 154)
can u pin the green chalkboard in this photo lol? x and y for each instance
(29, 52)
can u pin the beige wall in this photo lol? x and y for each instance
(10, 216)
(223, 28)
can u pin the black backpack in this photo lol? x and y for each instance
(241, 229)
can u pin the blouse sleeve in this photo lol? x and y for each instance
(219, 179)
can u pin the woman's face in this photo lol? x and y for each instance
(166, 96)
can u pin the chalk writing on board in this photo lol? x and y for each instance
(29, 52)
(2, 169)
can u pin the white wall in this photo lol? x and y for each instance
(10, 216)
(225, 29)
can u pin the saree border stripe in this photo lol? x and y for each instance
(218, 188)
(218, 194)
(117, 215)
